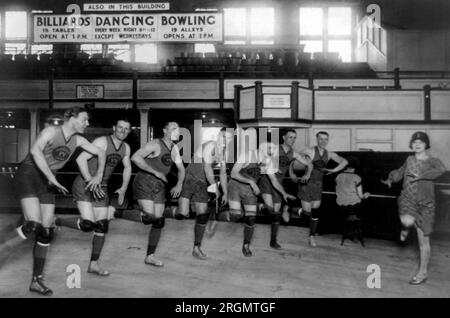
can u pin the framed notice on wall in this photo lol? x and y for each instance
(277, 101)
(90, 91)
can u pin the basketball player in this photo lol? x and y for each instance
(243, 188)
(200, 174)
(35, 182)
(310, 193)
(93, 206)
(417, 199)
(154, 160)
(273, 192)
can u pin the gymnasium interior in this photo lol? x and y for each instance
(368, 72)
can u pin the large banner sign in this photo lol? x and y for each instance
(110, 28)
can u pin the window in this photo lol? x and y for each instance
(235, 22)
(311, 21)
(146, 53)
(262, 25)
(340, 21)
(42, 48)
(204, 48)
(120, 51)
(235, 25)
(15, 48)
(327, 29)
(244, 25)
(312, 46)
(343, 47)
(91, 48)
(16, 25)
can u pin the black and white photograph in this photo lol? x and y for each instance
(224, 156)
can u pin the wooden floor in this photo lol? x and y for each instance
(297, 270)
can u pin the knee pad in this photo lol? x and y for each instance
(202, 218)
(32, 229)
(250, 220)
(102, 226)
(269, 209)
(47, 235)
(223, 216)
(314, 213)
(276, 218)
(147, 219)
(235, 215)
(159, 223)
(180, 217)
(86, 225)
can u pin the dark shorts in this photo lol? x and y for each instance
(148, 187)
(195, 190)
(241, 192)
(423, 212)
(266, 187)
(30, 182)
(80, 194)
(347, 210)
(312, 191)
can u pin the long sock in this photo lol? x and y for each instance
(39, 255)
(248, 233)
(199, 231)
(313, 226)
(274, 231)
(97, 245)
(130, 215)
(71, 222)
(153, 239)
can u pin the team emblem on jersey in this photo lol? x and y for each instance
(319, 164)
(61, 153)
(113, 159)
(167, 159)
(284, 161)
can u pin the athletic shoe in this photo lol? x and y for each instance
(246, 250)
(37, 285)
(198, 253)
(275, 245)
(151, 260)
